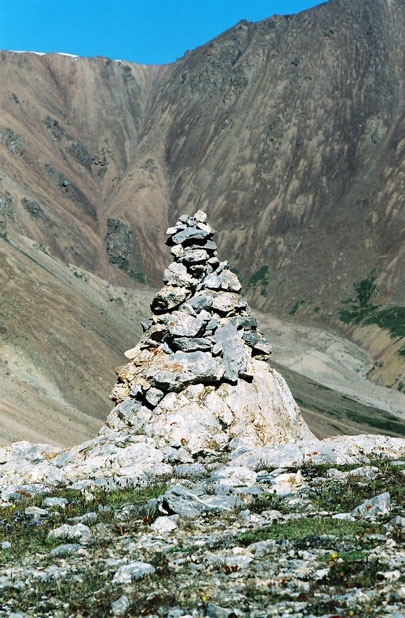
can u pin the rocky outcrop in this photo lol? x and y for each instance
(200, 378)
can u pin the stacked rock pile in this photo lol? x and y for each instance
(200, 374)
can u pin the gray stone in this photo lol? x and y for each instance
(245, 321)
(194, 256)
(190, 470)
(165, 524)
(230, 281)
(175, 229)
(209, 245)
(153, 396)
(169, 298)
(127, 573)
(191, 345)
(199, 302)
(35, 512)
(190, 234)
(379, 505)
(77, 532)
(215, 611)
(136, 393)
(397, 522)
(53, 502)
(239, 476)
(182, 324)
(121, 605)
(66, 549)
(234, 354)
(184, 502)
(177, 274)
(201, 364)
(182, 368)
(212, 282)
(228, 302)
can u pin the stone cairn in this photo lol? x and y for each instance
(199, 378)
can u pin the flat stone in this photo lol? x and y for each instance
(127, 573)
(245, 321)
(191, 345)
(190, 234)
(187, 504)
(78, 532)
(239, 476)
(228, 302)
(208, 245)
(175, 229)
(182, 368)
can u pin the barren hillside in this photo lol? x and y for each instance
(288, 132)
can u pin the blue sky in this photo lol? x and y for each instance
(143, 31)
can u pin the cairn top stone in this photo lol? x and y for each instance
(200, 376)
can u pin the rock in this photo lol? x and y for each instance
(397, 522)
(379, 505)
(55, 502)
(121, 606)
(66, 549)
(177, 274)
(127, 573)
(169, 298)
(180, 500)
(182, 324)
(190, 234)
(226, 303)
(236, 477)
(78, 531)
(234, 353)
(165, 524)
(287, 483)
(191, 345)
(153, 396)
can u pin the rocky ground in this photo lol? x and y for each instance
(205, 493)
(215, 538)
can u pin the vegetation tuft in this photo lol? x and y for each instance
(360, 310)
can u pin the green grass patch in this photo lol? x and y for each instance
(310, 528)
(295, 308)
(259, 280)
(28, 535)
(392, 319)
(358, 308)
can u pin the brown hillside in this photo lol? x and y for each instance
(290, 133)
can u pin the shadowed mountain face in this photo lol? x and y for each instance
(289, 133)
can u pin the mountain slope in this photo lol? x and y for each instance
(288, 132)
